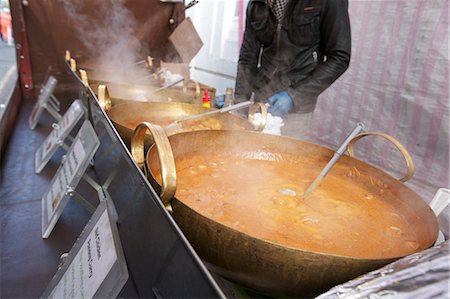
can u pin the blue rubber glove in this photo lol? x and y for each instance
(280, 104)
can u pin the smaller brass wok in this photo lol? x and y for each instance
(148, 90)
(139, 84)
(127, 116)
(260, 264)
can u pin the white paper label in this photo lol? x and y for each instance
(65, 176)
(61, 130)
(91, 265)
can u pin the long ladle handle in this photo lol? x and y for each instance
(359, 127)
(165, 155)
(222, 110)
(400, 147)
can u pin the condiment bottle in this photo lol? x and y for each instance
(229, 97)
(206, 100)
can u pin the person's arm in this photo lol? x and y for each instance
(336, 45)
(248, 60)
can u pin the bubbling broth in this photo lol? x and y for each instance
(264, 199)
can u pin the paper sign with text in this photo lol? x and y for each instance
(60, 131)
(68, 176)
(95, 266)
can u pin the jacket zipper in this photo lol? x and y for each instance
(278, 36)
(261, 49)
(315, 56)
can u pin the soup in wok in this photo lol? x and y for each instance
(264, 198)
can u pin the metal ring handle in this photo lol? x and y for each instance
(73, 65)
(103, 97)
(67, 56)
(84, 77)
(197, 89)
(251, 113)
(165, 155)
(400, 147)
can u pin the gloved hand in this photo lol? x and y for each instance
(280, 104)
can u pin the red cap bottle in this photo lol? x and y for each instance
(206, 100)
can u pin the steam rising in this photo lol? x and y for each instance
(109, 39)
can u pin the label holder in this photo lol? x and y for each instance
(71, 171)
(61, 132)
(47, 101)
(108, 276)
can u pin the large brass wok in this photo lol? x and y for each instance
(260, 264)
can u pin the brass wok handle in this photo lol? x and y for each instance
(104, 98)
(67, 56)
(73, 65)
(400, 147)
(251, 113)
(84, 77)
(197, 89)
(165, 155)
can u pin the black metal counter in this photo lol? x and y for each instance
(161, 262)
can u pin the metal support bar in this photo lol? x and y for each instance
(82, 201)
(52, 111)
(70, 138)
(110, 178)
(55, 102)
(91, 182)
(62, 144)
(104, 196)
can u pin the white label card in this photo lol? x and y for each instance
(43, 98)
(91, 264)
(60, 131)
(87, 272)
(67, 176)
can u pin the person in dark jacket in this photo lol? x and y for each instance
(291, 52)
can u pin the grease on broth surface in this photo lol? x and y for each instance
(244, 194)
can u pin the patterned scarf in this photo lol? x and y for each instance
(278, 7)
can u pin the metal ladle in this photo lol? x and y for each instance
(359, 127)
(289, 192)
(176, 126)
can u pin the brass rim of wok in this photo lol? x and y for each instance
(167, 163)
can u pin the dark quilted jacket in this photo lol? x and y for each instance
(303, 55)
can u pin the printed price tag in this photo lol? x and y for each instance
(68, 176)
(95, 266)
(60, 131)
(42, 101)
